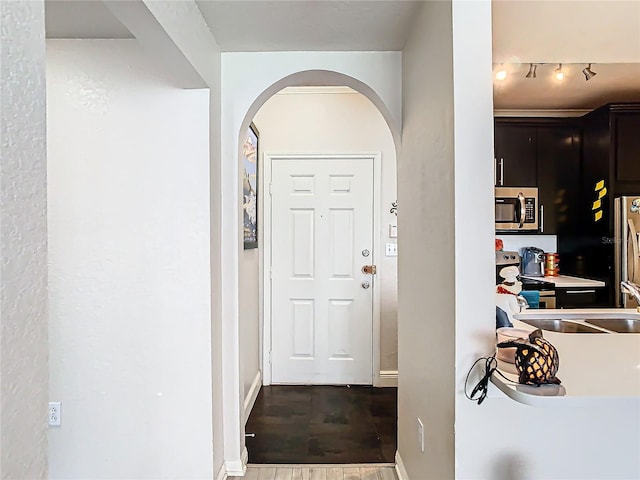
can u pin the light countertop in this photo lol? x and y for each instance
(566, 281)
(596, 369)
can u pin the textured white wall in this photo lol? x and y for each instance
(342, 123)
(130, 328)
(426, 314)
(23, 242)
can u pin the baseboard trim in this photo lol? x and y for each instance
(237, 468)
(400, 470)
(252, 394)
(388, 378)
(244, 458)
(222, 473)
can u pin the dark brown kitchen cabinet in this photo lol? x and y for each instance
(626, 146)
(543, 153)
(558, 164)
(612, 148)
(515, 155)
(581, 297)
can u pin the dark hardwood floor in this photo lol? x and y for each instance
(323, 424)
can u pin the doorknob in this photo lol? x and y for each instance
(369, 269)
(366, 284)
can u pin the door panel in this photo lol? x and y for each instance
(322, 317)
(303, 235)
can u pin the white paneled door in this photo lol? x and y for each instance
(322, 303)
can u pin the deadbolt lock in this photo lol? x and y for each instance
(369, 269)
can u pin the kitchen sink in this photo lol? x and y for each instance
(562, 326)
(619, 325)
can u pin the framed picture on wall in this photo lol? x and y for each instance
(250, 187)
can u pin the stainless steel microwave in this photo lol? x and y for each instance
(517, 209)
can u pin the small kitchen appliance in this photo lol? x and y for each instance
(517, 209)
(532, 262)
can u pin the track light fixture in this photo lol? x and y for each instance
(532, 70)
(558, 73)
(501, 74)
(588, 73)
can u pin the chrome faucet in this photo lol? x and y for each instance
(631, 289)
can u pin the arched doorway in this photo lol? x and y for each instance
(239, 106)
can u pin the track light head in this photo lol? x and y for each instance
(588, 73)
(501, 74)
(558, 73)
(532, 71)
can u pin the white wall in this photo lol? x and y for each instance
(23, 242)
(426, 308)
(322, 120)
(130, 328)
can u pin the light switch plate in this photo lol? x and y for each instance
(393, 231)
(392, 250)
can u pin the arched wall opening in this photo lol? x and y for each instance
(377, 77)
(321, 78)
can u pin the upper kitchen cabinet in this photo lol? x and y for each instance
(515, 155)
(558, 177)
(611, 153)
(543, 153)
(626, 147)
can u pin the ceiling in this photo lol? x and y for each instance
(309, 25)
(82, 19)
(605, 32)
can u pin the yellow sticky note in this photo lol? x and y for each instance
(596, 205)
(598, 215)
(602, 193)
(600, 185)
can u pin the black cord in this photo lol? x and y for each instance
(490, 366)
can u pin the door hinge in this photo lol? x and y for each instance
(270, 273)
(270, 356)
(270, 188)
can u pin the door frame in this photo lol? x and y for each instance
(265, 252)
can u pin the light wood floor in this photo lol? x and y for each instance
(319, 472)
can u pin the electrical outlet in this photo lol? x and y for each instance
(54, 413)
(420, 435)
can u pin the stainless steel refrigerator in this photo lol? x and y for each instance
(627, 246)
